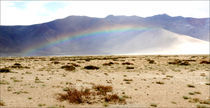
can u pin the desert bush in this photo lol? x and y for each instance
(68, 68)
(16, 65)
(128, 67)
(179, 62)
(2, 103)
(204, 62)
(55, 62)
(74, 64)
(151, 61)
(108, 64)
(75, 96)
(127, 63)
(114, 98)
(191, 86)
(4, 70)
(159, 82)
(127, 79)
(102, 89)
(90, 67)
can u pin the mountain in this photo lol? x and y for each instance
(81, 35)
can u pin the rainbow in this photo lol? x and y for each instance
(84, 34)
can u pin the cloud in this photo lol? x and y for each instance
(33, 12)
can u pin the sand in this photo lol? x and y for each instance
(152, 80)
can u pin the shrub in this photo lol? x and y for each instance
(108, 64)
(103, 89)
(179, 62)
(159, 82)
(68, 68)
(128, 67)
(191, 86)
(205, 62)
(114, 98)
(75, 96)
(151, 61)
(4, 70)
(90, 67)
(127, 63)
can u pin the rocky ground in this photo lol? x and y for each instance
(105, 81)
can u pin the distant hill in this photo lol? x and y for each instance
(81, 35)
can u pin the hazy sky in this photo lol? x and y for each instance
(33, 12)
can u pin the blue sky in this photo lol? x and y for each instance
(33, 12)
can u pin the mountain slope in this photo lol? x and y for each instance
(15, 40)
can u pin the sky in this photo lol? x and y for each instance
(34, 12)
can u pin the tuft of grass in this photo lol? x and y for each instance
(202, 106)
(191, 93)
(20, 92)
(91, 67)
(5, 70)
(105, 104)
(37, 80)
(173, 102)
(197, 92)
(28, 72)
(40, 105)
(4, 82)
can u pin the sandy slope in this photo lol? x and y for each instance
(22, 90)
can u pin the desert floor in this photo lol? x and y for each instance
(138, 81)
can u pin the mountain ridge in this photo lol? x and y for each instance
(15, 39)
